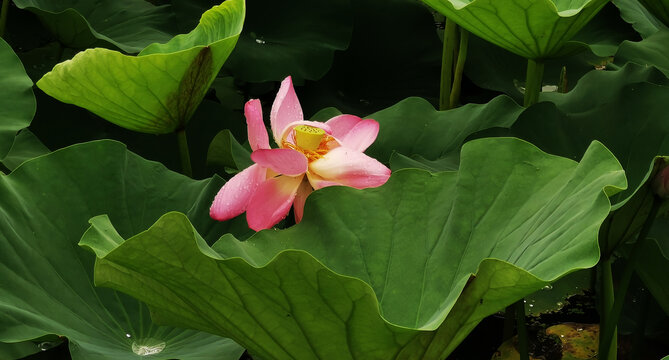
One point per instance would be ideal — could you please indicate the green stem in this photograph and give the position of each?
(533, 79)
(607, 339)
(183, 151)
(607, 299)
(3, 17)
(509, 320)
(459, 68)
(523, 348)
(447, 64)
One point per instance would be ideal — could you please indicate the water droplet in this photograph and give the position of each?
(46, 345)
(260, 41)
(579, 329)
(531, 305)
(128, 336)
(148, 347)
(548, 287)
(524, 300)
(561, 335)
(559, 304)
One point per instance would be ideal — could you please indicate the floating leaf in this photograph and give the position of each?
(384, 272)
(579, 341)
(46, 285)
(129, 25)
(158, 91)
(17, 103)
(533, 29)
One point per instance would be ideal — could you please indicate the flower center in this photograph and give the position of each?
(310, 141)
(308, 137)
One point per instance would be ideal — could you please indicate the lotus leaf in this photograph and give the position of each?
(651, 51)
(46, 281)
(641, 19)
(17, 103)
(436, 134)
(158, 91)
(434, 254)
(26, 146)
(567, 123)
(534, 29)
(659, 8)
(129, 25)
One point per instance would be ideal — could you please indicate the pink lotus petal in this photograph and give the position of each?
(291, 126)
(350, 168)
(300, 198)
(282, 161)
(257, 132)
(271, 201)
(318, 182)
(361, 135)
(342, 124)
(285, 109)
(235, 195)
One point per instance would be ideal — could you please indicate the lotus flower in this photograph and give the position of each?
(329, 153)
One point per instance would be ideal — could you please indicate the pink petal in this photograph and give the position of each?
(300, 198)
(271, 201)
(285, 110)
(361, 135)
(318, 182)
(291, 126)
(257, 132)
(235, 195)
(282, 161)
(350, 168)
(342, 124)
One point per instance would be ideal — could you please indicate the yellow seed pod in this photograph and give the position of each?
(308, 137)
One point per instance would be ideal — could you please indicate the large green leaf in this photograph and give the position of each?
(641, 19)
(414, 128)
(129, 25)
(659, 8)
(46, 284)
(652, 51)
(602, 35)
(623, 109)
(158, 91)
(17, 103)
(533, 29)
(379, 273)
(26, 146)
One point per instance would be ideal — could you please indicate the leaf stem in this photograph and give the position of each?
(3, 17)
(523, 348)
(533, 80)
(447, 65)
(183, 151)
(459, 68)
(607, 339)
(607, 299)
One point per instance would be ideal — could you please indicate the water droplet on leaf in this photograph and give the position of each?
(148, 347)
